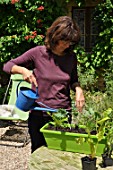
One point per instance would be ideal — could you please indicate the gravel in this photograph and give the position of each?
(11, 156)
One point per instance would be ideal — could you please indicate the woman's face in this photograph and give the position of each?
(62, 47)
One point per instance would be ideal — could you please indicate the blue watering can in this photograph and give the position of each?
(26, 98)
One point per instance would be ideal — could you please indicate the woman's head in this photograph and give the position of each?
(63, 29)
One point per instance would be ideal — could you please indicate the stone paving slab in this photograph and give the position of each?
(49, 159)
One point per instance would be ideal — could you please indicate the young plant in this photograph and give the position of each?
(94, 121)
(109, 137)
(59, 118)
(89, 122)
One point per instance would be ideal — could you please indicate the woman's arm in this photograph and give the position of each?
(75, 85)
(27, 74)
(21, 65)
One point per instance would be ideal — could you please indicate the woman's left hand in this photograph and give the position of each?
(80, 100)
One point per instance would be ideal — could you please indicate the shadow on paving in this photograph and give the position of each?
(15, 132)
(5, 123)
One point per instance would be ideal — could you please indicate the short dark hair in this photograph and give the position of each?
(63, 28)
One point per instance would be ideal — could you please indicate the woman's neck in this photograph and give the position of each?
(57, 53)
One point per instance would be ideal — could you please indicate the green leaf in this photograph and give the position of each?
(103, 120)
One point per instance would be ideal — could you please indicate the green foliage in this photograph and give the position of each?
(24, 24)
(91, 121)
(80, 2)
(4, 1)
(109, 79)
(102, 123)
(103, 51)
(59, 118)
(88, 118)
(99, 101)
(87, 79)
(109, 136)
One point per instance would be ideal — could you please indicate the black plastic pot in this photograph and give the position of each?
(88, 163)
(107, 161)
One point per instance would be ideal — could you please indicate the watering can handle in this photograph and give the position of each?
(17, 89)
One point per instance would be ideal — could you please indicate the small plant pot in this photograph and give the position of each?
(88, 164)
(107, 161)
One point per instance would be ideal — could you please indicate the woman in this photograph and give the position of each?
(54, 72)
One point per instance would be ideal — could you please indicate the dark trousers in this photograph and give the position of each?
(36, 120)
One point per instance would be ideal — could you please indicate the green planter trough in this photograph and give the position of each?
(66, 141)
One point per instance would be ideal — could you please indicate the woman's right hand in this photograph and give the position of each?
(27, 74)
(29, 77)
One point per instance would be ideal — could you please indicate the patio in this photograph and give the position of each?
(49, 159)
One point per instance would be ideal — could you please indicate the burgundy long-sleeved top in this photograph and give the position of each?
(55, 75)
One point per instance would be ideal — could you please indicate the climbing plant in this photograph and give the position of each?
(102, 52)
